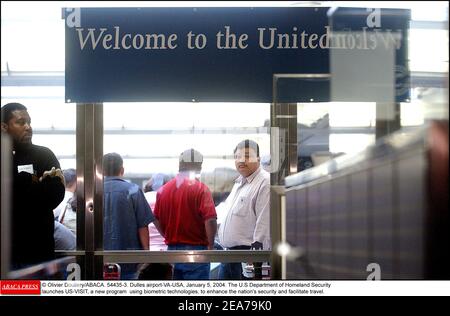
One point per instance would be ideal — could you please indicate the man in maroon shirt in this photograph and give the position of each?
(185, 209)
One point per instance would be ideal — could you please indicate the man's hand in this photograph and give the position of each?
(54, 173)
(255, 246)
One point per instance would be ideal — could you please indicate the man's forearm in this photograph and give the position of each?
(144, 238)
(211, 230)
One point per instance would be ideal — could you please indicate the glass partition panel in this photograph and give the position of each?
(150, 137)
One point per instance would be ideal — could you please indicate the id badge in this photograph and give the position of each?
(25, 168)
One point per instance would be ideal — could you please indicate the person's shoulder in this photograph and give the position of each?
(263, 180)
(42, 149)
(202, 185)
(169, 183)
(168, 186)
(119, 183)
(203, 188)
(264, 175)
(130, 185)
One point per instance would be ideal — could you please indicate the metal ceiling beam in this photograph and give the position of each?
(57, 79)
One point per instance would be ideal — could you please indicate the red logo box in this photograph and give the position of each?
(20, 287)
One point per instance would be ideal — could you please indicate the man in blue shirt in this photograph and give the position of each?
(126, 213)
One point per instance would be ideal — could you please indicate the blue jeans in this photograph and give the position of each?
(190, 271)
(231, 271)
(129, 276)
(128, 271)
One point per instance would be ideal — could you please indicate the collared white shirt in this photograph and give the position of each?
(247, 210)
(57, 211)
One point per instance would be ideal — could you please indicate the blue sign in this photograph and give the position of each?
(186, 54)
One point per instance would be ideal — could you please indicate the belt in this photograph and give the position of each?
(240, 248)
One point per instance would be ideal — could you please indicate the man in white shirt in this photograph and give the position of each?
(245, 220)
(150, 191)
(64, 213)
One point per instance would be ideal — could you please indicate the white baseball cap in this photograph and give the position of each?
(191, 155)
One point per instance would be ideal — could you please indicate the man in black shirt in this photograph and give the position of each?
(38, 187)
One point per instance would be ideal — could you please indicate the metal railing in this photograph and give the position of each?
(54, 269)
(171, 256)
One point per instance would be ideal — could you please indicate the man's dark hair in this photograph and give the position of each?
(148, 186)
(248, 144)
(70, 176)
(8, 108)
(112, 162)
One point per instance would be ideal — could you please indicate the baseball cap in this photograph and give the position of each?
(191, 155)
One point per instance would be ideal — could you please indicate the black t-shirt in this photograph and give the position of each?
(33, 203)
